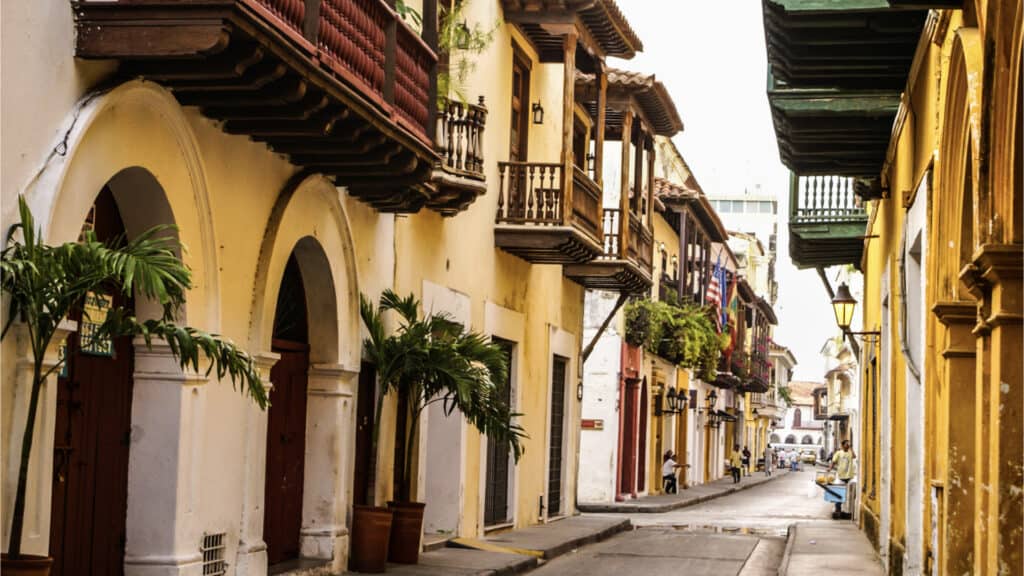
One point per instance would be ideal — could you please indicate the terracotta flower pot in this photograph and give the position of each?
(371, 533)
(26, 565)
(406, 532)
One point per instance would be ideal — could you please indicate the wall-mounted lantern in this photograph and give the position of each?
(538, 113)
(591, 163)
(675, 403)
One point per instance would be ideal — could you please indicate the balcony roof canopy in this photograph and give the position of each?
(648, 97)
(836, 71)
(677, 198)
(602, 26)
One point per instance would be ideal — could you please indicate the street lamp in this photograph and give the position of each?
(843, 305)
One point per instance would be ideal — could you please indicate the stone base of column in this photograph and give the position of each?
(185, 565)
(329, 544)
(252, 559)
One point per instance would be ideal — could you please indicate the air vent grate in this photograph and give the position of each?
(212, 550)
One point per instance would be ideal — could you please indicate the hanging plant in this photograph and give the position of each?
(458, 43)
(682, 334)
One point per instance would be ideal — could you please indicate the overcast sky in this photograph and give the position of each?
(711, 56)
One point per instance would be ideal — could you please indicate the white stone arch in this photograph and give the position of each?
(135, 139)
(308, 220)
(137, 124)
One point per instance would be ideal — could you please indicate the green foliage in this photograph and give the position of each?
(45, 284)
(683, 334)
(785, 395)
(457, 44)
(461, 42)
(435, 359)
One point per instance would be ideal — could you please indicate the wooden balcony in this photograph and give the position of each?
(459, 174)
(535, 223)
(340, 86)
(826, 222)
(621, 266)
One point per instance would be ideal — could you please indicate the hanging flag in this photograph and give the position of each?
(714, 295)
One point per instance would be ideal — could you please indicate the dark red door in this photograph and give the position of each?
(286, 421)
(286, 443)
(365, 461)
(627, 444)
(92, 434)
(641, 440)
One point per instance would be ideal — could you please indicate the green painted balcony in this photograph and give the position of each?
(827, 221)
(836, 71)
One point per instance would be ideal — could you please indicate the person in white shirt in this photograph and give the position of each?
(668, 473)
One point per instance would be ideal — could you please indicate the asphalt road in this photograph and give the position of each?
(740, 534)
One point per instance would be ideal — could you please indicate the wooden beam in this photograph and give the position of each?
(627, 128)
(568, 118)
(623, 296)
(602, 121)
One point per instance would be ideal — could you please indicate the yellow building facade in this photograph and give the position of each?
(941, 383)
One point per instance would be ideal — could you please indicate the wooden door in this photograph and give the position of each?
(497, 488)
(365, 414)
(286, 444)
(627, 444)
(555, 451)
(520, 109)
(641, 452)
(92, 436)
(286, 421)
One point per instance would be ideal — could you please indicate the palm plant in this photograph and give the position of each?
(435, 359)
(45, 284)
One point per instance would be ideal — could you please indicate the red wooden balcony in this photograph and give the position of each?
(621, 266)
(535, 223)
(459, 174)
(340, 86)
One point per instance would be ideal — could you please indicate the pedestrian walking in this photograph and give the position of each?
(769, 455)
(842, 461)
(736, 461)
(794, 460)
(746, 461)
(668, 473)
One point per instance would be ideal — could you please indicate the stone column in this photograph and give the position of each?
(39, 489)
(252, 549)
(329, 448)
(163, 466)
(998, 274)
(958, 352)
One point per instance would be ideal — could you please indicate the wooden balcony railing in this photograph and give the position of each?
(586, 202)
(611, 234)
(459, 140)
(530, 193)
(825, 199)
(641, 242)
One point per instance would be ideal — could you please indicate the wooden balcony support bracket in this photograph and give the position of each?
(322, 81)
(627, 128)
(568, 118)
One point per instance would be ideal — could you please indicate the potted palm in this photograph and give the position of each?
(45, 284)
(429, 360)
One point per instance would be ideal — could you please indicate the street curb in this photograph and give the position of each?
(661, 508)
(790, 541)
(570, 545)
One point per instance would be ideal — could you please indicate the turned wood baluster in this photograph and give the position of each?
(501, 192)
(460, 128)
(450, 133)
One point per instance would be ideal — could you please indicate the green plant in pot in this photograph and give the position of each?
(427, 361)
(45, 285)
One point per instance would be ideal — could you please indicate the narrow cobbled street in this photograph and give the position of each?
(742, 533)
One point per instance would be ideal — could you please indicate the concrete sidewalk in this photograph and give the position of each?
(836, 548)
(693, 495)
(514, 551)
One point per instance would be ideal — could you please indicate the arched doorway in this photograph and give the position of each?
(286, 422)
(92, 432)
